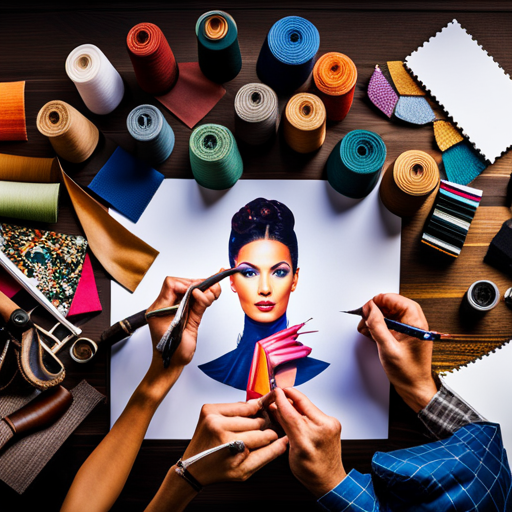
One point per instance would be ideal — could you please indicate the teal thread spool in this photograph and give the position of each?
(218, 50)
(355, 163)
(214, 157)
(29, 201)
(154, 136)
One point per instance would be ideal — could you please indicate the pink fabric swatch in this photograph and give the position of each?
(8, 285)
(380, 92)
(86, 299)
(193, 96)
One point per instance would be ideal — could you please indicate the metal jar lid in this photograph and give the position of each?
(483, 295)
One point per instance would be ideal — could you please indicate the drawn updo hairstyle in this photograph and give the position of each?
(262, 219)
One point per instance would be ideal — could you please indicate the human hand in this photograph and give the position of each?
(314, 438)
(222, 423)
(407, 361)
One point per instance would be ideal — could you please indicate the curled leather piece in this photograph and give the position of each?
(37, 364)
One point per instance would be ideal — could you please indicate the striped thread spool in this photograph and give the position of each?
(29, 201)
(154, 64)
(256, 111)
(304, 123)
(335, 77)
(214, 157)
(355, 163)
(71, 134)
(288, 54)
(408, 182)
(98, 82)
(153, 134)
(218, 50)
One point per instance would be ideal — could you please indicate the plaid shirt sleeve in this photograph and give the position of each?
(447, 412)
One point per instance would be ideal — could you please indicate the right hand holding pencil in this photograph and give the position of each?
(407, 361)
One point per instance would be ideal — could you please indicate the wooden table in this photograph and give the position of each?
(35, 40)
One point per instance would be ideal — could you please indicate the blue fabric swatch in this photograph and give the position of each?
(414, 109)
(126, 183)
(233, 368)
(462, 163)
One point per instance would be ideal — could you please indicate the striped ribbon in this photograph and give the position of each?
(12, 111)
(214, 157)
(304, 123)
(408, 182)
(256, 111)
(355, 163)
(152, 59)
(217, 46)
(71, 134)
(97, 81)
(335, 77)
(29, 201)
(288, 53)
(154, 136)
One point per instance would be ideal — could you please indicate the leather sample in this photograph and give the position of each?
(124, 256)
(29, 169)
(12, 111)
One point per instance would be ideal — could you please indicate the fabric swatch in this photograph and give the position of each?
(21, 462)
(450, 219)
(404, 83)
(381, 94)
(127, 184)
(29, 169)
(193, 96)
(446, 134)
(86, 299)
(12, 111)
(462, 163)
(414, 109)
(52, 261)
(124, 256)
(8, 285)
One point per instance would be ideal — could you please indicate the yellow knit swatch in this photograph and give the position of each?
(446, 134)
(404, 83)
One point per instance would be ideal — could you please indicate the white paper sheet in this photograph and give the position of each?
(472, 88)
(348, 251)
(486, 384)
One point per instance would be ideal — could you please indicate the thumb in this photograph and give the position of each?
(375, 323)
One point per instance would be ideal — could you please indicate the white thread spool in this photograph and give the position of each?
(98, 82)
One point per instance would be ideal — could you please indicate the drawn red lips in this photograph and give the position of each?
(265, 305)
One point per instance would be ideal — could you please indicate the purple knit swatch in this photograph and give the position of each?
(381, 93)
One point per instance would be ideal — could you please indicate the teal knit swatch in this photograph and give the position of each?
(214, 157)
(355, 163)
(462, 163)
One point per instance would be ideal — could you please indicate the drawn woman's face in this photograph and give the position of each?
(264, 289)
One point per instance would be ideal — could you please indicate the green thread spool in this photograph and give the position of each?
(214, 157)
(218, 50)
(29, 201)
(355, 163)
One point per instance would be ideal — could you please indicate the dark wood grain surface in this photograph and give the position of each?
(35, 39)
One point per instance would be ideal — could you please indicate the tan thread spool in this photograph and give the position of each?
(215, 28)
(304, 122)
(72, 135)
(408, 182)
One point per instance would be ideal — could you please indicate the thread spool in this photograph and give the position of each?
(355, 163)
(71, 134)
(408, 182)
(335, 77)
(214, 157)
(29, 201)
(288, 54)
(304, 123)
(217, 46)
(97, 81)
(482, 296)
(154, 136)
(256, 111)
(152, 59)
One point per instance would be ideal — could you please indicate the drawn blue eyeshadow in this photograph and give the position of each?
(249, 273)
(281, 272)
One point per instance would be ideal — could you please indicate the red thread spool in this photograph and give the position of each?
(335, 77)
(152, 59)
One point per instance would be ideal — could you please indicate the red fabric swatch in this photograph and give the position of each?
(86, 299)
(8, 285)
(193, 96)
